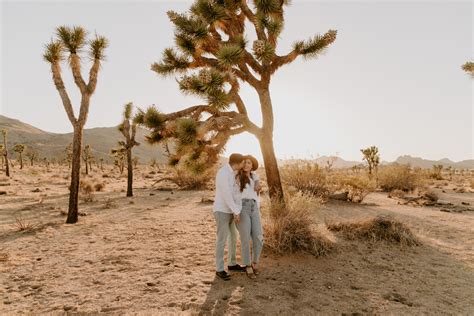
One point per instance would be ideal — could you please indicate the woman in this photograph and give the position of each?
(250, 227)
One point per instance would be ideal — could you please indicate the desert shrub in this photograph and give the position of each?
(292, 229)
(87, 190)
(428, 194)
(377, 229)
(399, 177)
(187, 179)
(397, 193)
(308, 178)
(99, 186)
(23, 226)
(357, 186)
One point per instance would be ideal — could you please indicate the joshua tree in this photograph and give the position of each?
(119, 155)
(372, 157)
(135, 162)
(68, 152)
(19, 148)
(437, 172)
(32, 155)
(72, 40)
(128, 128)
(1, 154)
(5, 152)
(101, 160)
(87, 156)
(214, 59)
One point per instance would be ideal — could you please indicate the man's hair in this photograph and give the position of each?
(235, 159)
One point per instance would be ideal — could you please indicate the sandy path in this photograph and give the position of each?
(154, 254)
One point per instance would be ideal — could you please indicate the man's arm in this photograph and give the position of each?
(225, 186)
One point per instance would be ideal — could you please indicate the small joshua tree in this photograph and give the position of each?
(119, 155)
(101, 161)
(72, 40)
(87, 156)
(214, 59)
(19, 148)
(128, 128)
(372, 157)
(68, 154)
(32, 155)
(5, 152)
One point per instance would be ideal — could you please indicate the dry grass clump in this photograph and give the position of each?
(87, 191)
(292, 229)
(377, 229)
(186, 179)
(397, 193)
(356, 186)
(99, 186)
(23, 226)
(399, 177)
(307, 177)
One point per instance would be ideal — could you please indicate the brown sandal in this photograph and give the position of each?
(250, 272)
(255, 270)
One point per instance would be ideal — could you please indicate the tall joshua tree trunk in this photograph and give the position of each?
(75, 175)
(266, 145)
(73, 40)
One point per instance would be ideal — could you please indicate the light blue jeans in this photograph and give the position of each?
(225, 231)
(250, 229)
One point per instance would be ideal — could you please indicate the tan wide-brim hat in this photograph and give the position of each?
(253, 160)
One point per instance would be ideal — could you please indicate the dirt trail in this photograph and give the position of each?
(154, 253)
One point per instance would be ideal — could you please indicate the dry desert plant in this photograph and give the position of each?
(99, 186)
(290, 228)
(186, 179)
(377, 229)
(87, 190)
(19, 149)
(308, 178)
(399, 177)
(357, 187)
(23, 226)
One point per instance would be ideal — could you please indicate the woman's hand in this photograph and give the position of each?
(237, 218)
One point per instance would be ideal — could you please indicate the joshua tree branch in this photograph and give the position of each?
(58, 82)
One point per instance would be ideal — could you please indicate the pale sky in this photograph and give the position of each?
(391, 79)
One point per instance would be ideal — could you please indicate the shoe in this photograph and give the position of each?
(236, 267)
(250, 272)
(223, 275)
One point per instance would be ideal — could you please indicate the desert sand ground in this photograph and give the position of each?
(154, 254)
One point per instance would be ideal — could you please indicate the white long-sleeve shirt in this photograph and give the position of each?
(228, 197)
(249, 190)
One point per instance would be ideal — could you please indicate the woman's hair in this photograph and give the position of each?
(243, 179)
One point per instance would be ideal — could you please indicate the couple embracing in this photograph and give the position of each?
(236, 207)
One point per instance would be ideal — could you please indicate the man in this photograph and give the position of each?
(227, 207)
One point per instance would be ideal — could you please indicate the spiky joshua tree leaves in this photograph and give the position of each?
(213, 58)
(72, 42)
(128, 128)
(469, 68)
(372, 157)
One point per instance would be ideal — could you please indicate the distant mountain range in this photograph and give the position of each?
(102, 139)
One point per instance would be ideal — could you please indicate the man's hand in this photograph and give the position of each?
(237, 218)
